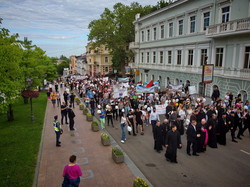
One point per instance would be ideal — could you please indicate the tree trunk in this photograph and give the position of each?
(10, 115)
(25, 100)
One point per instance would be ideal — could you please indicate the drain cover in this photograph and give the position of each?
(150, 165)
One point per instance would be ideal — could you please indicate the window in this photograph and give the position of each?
(148, 36)
(142, 58)
(106, 59)
(247, 58)
(203, 56)
(170, 34)
(154, 57)
(225, 14)
(179, 57)
(219, 57)
(154, 33)
(192, 24)
(153, 77)
(161, 57)
(142, 36)
(206, 20)
(169, 57)
(147, 57)
(106, 48)
(190, 57)
(107, 69)
(180, 27)
(162, 31)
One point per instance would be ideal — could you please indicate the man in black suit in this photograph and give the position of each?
(192, 138)
(238, 122)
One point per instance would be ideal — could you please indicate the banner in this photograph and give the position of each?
(105, 79)
(175, 87)
(123, 79)
(127, 69)
(78, 77)
(142, 89)
(207, 73)
(192, 90)
(120, 92)
(160, 109)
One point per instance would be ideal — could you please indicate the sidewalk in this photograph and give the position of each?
(94, 159)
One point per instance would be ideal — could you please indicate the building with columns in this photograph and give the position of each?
(173, 43)
(99, 60)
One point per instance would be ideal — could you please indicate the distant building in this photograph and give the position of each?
(72, 65)
(65, 72)
(99, 61)
(81, 65)
(173, 43)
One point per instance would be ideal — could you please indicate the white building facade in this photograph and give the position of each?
(81, 65)
(173, 43)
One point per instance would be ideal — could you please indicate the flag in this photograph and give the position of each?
(151, 83)
(142, 89)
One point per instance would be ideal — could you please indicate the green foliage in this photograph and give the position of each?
(19, 142)
(88, 115)
(161, 4)
(105, 136)
(116, 30)
(139, 182)
(20, 60)
(117, 151)
(62, 65)
(94, 123)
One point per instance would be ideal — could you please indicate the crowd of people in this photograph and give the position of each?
(204, 124)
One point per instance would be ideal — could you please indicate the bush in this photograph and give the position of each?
(139, 182)
(89, 115)
(85, 110)
(105, 136)
(117, 151)
(94, 123)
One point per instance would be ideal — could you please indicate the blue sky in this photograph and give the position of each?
(57, 26)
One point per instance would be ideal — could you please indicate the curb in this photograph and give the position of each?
(35, 180)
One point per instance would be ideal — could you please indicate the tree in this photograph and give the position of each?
(11, 77)
(116, 30)
(62, 65)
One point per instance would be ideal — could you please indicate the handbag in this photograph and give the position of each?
(66, 179)
(129, 129)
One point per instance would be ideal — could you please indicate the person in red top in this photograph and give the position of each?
(73, 171)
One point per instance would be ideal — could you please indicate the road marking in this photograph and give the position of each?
(245, 152)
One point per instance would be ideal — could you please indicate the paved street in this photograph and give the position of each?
(94, 159)
(226, 166)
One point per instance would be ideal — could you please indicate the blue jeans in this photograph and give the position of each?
(123, 127)
(74, 182)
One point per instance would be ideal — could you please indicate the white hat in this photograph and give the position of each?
(116, 107)
(123, 110)
(99, 111)
(177, 100)
(145, 106)
(99, 106)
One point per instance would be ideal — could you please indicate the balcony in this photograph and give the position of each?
(218, 71)
(234, 27)
(133, 45)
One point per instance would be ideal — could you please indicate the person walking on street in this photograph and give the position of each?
(53, 98)
(71, 173)
(72, 99)
(192, 138)
(71, 115)
(58, 98)
(58, 130)
(64, 112)
(101, 114)
(65, 96)
(153, 119)
(172, 142)
(123, 127)
(92, 106)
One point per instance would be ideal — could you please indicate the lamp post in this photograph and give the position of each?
(29, 81)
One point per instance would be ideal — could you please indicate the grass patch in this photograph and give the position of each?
(19, 143)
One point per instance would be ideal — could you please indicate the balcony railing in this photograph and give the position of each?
(133, 45)
(218, 71)
(229, 28)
